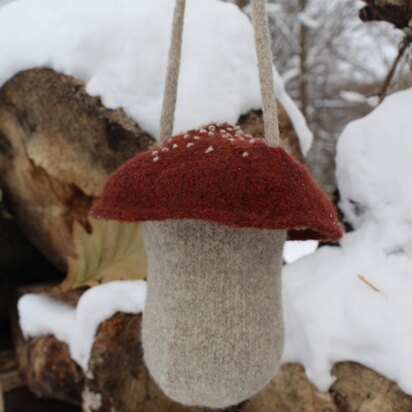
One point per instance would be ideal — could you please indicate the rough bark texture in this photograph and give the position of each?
(58, 145)
(252, 123)
(44, 362)
(9, 377)
(397, 12)
(119, 381)
(1, 399)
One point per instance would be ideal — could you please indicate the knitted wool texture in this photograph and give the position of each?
(220, 174)
(212, 325)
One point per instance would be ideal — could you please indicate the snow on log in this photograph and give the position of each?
(58, 145)
(353, 302)
(122, 59)
(116, 378)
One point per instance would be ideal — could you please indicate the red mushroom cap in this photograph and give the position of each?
(218, 173)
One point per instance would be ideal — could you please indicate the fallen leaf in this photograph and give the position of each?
(112, 251)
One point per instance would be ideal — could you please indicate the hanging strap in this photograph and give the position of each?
(264, 57)
(172, 76)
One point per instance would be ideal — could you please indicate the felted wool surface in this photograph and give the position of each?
(220, 174)
(212, 325)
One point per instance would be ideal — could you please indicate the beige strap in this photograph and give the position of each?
(172, 75)
(264, 57)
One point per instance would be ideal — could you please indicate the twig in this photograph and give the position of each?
(1, 399)
(366, 282)
(403, 46)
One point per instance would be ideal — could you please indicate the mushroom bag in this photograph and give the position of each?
(213, 326)
(217, 205)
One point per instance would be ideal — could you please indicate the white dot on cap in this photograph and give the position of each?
(186, 136)
(155, 153)
(209, 149)
(245, 154)
(156, 158)
(165, 149)
(196, 137)
(175, 146)
(190, 145)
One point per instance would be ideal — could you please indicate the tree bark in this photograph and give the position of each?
(1, 399)
(58, 145)
(397, 12)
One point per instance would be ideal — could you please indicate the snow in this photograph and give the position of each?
(308, 21)
(295, 250)
(353, 302)
(4, 2)
(119, 49)
(356, 98)
(374, 168)
(41, 315)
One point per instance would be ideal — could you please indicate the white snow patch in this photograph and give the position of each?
(308, 21)
(41, 315)
(294, 250)
(356, 97)
(119, 49)
(374, 168)
(354, 302)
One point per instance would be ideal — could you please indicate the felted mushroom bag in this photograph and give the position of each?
(216, 206)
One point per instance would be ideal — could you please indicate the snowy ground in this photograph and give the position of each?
(355, 302)
(119, 49)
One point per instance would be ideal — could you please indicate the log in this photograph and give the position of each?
(397, 12)
(10, 378)
(44, 362)
(58, 145)
(118, 379)
(1, 399)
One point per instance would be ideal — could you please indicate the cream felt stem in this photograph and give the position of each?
(172, 74)
(264, 57)
(213, 324)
